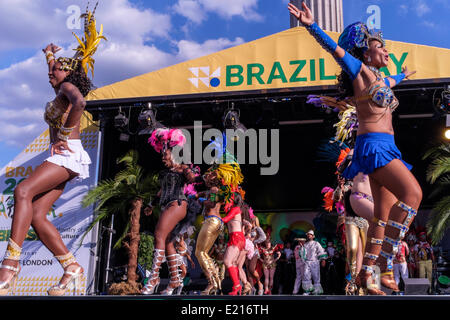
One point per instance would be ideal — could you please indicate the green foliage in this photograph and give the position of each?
(114, 196)
(438, 173)
(146, 247)
(439, 220)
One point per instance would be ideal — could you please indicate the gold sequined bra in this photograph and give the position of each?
(54, 112)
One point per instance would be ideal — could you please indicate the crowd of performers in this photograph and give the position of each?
(180, 204)
(379, 194)
(249, 254)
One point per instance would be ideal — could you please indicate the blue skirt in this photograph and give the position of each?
(372, 150)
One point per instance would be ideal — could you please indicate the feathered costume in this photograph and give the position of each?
(87, 45)
(174, 185)
(228, 177)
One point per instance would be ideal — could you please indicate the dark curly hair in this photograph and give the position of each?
(344, 85)
(80, 80)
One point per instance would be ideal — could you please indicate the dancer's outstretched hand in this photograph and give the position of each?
(51, 47)
(305, 16)
(407, 73)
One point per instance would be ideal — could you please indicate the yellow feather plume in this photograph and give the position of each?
(230, 174)
(89, 43)
(342, 132)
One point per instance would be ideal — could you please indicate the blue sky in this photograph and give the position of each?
(144, 36)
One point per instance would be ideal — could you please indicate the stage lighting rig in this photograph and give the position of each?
(120, 120)
(230, 119)
(445, 106)
(121, 123)
(147, 120)
(442, 105)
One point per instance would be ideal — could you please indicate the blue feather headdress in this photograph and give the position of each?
(357, 35)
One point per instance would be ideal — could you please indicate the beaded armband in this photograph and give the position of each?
(49, 56)
(64, 133)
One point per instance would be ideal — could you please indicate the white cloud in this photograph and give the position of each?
(403, 9)
(421, 8)
(429, 24)
(191, 9)
(15, 135)
(35, 23)
(228, 9)
(131, 50)
(195, 10)
(190, 50)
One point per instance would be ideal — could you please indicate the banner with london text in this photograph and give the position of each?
(40, 270)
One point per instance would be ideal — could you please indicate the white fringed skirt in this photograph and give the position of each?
(77, 161)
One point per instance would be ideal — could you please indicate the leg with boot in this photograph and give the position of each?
(168, 219)
(231, 263)
(206, 237)
(33, 199)
(401, 195)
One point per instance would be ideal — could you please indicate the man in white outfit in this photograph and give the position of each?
(314, 254)
(299, 254)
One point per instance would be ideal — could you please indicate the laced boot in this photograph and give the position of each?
(153, 281)
(387, 277)
(174, 272)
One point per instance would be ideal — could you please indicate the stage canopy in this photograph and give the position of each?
(291, 58)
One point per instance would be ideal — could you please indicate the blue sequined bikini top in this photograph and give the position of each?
(381, 95)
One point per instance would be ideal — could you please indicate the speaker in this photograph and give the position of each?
(416, 286)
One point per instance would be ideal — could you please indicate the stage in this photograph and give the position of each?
(229, 307)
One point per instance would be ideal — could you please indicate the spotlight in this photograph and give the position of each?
(230, 120)
(120, 120)
(445, 106)
(121, 124)
(147, 120)
(447, 134)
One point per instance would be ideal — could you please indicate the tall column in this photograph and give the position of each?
(327, 13)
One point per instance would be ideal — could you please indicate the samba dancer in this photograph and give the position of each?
(361, 54)
(176, 215)
(35, 196)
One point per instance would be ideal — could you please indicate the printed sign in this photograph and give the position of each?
(40, 270)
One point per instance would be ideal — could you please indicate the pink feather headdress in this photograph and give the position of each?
(165, 137)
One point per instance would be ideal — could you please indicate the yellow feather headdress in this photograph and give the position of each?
(87, 45)
(230, 174)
